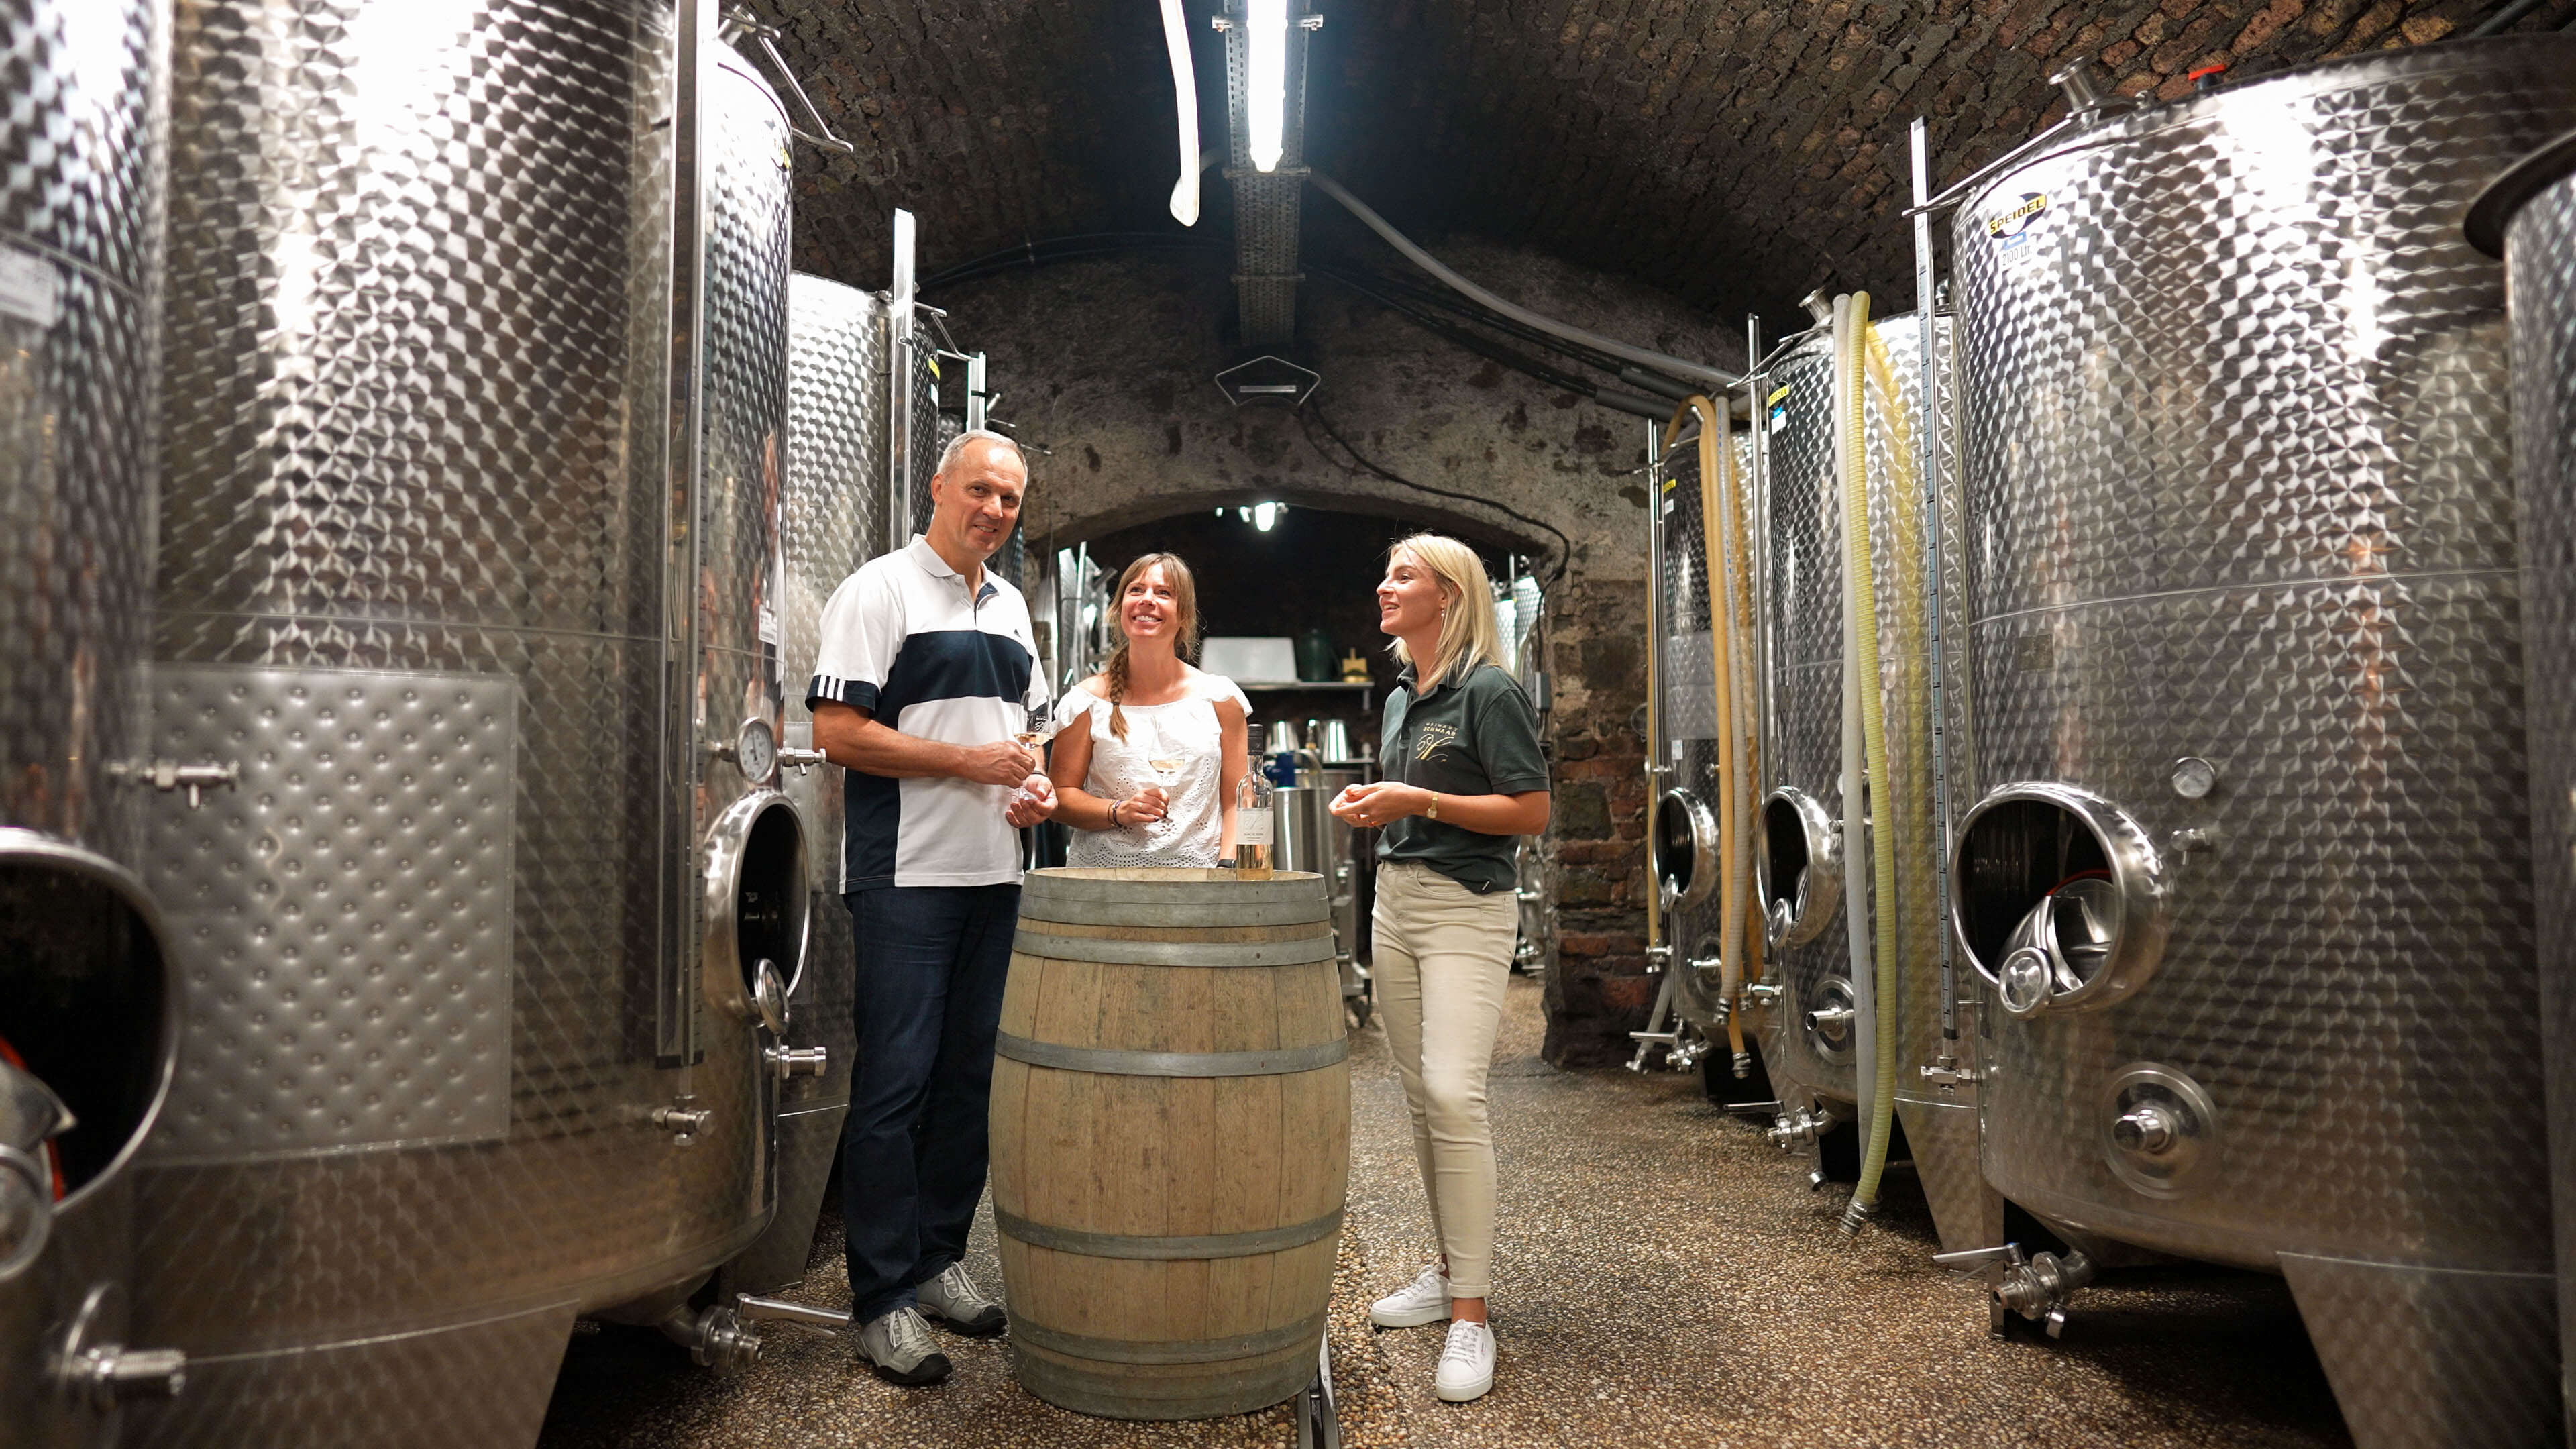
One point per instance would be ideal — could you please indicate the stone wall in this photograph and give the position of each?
(1108, 366)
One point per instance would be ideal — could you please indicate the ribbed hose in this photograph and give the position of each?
(1908, 795)
(1744, 737)
(1716, 547)
(1872, 922)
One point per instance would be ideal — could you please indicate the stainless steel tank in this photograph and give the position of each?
(2249, 879)
(1684, 853)
(88, 994)
(2529, 217)
(1936, 1103)
(835, 521)
(476, 400)
(1803, 863)
(1798, 853)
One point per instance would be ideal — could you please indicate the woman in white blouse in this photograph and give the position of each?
(1148, 705)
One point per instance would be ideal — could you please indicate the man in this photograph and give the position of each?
(925, 670)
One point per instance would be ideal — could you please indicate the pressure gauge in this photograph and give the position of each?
(2194, 777)
(756, 751)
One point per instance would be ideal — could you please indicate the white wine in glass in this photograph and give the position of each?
(1032, 732)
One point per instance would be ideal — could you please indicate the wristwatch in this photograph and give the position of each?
(1434, 812)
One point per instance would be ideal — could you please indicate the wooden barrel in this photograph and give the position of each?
(1171, 1138)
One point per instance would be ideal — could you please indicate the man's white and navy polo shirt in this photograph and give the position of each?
(902, 640)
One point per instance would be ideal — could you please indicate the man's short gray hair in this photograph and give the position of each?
(957, 445)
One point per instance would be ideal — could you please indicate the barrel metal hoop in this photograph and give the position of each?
(1037, 905)
(1120, 951)
(1197, 902)
(1107, 1062)
(1133, 1245)
(1181, 1350)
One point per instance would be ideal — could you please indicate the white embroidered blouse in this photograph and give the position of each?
(1187, 728)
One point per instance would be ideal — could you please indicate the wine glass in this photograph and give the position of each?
(1034, 730)
(1166, 761)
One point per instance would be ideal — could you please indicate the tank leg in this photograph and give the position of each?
(2428, 1358)
(1965, 1210)
(484, 1384)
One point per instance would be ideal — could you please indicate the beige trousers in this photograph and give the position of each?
(1443, 957)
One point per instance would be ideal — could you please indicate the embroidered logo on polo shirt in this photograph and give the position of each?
(1432, 737)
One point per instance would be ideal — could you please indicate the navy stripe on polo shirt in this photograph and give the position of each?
(902, 640)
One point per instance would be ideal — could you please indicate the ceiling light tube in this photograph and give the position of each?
(1185, 101)
(1265, 96)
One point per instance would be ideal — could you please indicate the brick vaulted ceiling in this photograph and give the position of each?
(1737, 152)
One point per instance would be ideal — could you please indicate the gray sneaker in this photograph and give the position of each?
(898, 1347)
(953, 1299)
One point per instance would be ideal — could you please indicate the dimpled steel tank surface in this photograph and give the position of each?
(835, 519)
(2249, 881)
(1810, 1057)
(443, 567)
(86, 997)
(2530, 216)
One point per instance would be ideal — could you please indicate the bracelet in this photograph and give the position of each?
(1113, 814)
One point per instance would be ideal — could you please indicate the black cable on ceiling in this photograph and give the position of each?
(1308, 412)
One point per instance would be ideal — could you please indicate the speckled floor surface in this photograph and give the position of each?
(1664, 1278)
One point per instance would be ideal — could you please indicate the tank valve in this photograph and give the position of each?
(1657, 958)
(2150, 1128)
(1793, 1130)
(168, 775)
(716, 1337)
(793, 1062)
(800, 760)
(102, 1376)
(1764, 993)
(1743, 1065)
(683, 1121)
(1830, 1022)
(2036, 1286)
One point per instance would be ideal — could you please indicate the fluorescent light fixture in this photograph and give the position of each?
(1265, 91)
(1259, 515)
(1185, 101)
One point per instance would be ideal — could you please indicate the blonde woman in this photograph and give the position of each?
(1149, 704)
(1464, 777)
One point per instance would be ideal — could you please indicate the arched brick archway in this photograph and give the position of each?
(1108, 367)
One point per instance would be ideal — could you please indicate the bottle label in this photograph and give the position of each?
(1252, 827)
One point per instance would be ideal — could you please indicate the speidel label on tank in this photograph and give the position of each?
(2014, 228)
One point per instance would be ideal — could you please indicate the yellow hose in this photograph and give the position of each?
(1737, 696)
(1721, 632)
(1909, 798)
(1860, 600)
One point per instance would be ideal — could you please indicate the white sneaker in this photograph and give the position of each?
(1466, 1364)
(1424, 1300)
(897, 1345)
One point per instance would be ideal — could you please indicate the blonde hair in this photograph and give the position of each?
(1468, 633)
(1185, 640)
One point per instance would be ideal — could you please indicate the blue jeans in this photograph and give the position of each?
(931, 962)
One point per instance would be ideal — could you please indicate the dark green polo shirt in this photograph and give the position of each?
(1471, 736)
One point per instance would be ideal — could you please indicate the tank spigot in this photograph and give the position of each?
(793, 1062)
(800, 760)
(169, 775)
(715, 1337)
(683, 1121)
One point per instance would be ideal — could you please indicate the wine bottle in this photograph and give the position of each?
(1252, 820)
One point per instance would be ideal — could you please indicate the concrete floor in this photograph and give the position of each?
(1664, 1278)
